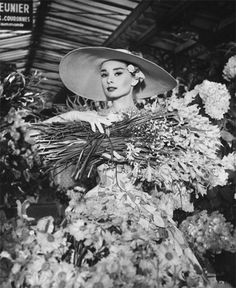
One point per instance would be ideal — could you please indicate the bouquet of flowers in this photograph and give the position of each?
(170, 144)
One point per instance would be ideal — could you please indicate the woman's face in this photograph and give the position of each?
(117, 81)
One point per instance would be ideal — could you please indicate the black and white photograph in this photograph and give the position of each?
(117, 144)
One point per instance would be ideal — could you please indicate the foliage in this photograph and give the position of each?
(16, 92)
(20, 165)
(19, 162)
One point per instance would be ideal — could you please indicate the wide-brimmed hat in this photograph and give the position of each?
(80, 72)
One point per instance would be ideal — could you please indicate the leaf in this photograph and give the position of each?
(158, 220)
(227, 136)
(183, 166)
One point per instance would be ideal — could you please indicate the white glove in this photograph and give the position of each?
(92, 117)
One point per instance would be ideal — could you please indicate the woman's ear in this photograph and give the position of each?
(134, 82)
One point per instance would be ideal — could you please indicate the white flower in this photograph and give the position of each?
(218, 177)
(174, 103)
(50, 242)
(63, 273)
(136, 72)
(132, 151)
(189, 96)
(140, 76)
(131, 68)
(215, 97)
(81, 230)
(229, 71)
(42, 279)
(229, 161)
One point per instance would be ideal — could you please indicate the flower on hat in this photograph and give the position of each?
(135, 71)
(131, 68)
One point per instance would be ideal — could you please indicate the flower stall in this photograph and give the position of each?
(186, 159)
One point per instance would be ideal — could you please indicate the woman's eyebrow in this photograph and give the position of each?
(118, 68)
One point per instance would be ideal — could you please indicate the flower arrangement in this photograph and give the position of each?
(169, 144)
(209, 233)
(91, 250)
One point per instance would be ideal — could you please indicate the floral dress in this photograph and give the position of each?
(127, 239)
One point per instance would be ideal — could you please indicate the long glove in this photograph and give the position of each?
(92, 117)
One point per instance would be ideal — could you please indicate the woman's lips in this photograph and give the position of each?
(111, 89)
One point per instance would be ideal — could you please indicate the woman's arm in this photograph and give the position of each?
(92, 117)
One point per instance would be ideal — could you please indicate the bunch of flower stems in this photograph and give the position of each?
(74, 143)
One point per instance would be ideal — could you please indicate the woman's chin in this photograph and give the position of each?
(112, 97)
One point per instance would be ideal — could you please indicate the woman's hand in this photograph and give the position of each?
(92, 117)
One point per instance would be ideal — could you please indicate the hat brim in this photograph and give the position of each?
(80, 72)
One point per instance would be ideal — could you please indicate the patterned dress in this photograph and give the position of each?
(139, 245)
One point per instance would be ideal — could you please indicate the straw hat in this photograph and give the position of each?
(80, 72)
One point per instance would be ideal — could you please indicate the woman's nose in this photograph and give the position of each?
(109, 79)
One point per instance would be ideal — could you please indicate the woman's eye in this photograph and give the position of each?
(118, 73)
(103, 75)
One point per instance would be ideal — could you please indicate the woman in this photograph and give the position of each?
(84, 72)
(158, 254)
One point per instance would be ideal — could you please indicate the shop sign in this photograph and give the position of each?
(16, 15)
